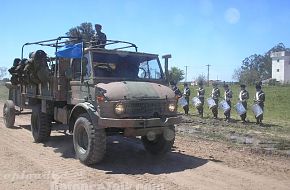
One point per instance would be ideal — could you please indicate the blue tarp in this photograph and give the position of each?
(70, 51)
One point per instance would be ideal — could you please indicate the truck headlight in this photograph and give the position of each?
(171, 107)
(119, 109)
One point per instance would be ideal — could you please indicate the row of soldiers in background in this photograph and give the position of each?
(228, 95)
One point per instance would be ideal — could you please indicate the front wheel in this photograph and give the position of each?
(40, 125)
(9, 113)
(159, 144)
(89, 141)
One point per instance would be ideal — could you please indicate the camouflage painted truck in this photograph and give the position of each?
(96, 92)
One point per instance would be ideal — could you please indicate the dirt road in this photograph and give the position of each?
(193, 164)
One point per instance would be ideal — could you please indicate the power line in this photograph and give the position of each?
(208, 65)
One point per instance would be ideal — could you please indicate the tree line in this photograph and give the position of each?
(256, 67)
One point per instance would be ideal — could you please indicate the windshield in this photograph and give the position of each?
(126, 66)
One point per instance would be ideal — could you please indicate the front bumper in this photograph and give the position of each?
(138, 123)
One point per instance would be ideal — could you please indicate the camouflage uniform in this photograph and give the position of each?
(200, 95)
(99, 38)
(260, 99)
(243, 97)
(186, 94)
(14, 72)
(176, 91)
(215, 94)
(228, 96)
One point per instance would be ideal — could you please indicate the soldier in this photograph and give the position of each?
(100, 38)
(175, 89)
(200, 95)
(186, 94)
(228, 96)
(14, 72)
(243, 97)
(259, 99)
(215, 94)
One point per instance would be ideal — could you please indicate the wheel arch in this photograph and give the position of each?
(80, 109)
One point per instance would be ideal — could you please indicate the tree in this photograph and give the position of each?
(176, 74)
(84, 30)
(201, 79)
(247, 76)
(236, 75)
(257, 67)
(278, 47)
(3, 72)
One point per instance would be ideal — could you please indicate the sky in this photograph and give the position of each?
(194, 32)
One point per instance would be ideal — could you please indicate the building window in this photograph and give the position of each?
(277, 70)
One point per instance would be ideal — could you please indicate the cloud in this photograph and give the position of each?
(232, 15)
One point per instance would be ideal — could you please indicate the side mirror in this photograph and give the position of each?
(166, 57)
(68, 74)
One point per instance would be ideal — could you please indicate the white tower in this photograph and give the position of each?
(281, 66)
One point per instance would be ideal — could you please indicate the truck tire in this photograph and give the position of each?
(162, 143)
(89, 141)
(9, 113)
(40, 125)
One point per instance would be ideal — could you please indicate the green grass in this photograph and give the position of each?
(277, 104)
(3, 92)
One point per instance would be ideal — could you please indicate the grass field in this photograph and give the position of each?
(277, 104)
(275, 133)
(3, 92)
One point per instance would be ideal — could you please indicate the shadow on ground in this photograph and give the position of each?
(127, 156)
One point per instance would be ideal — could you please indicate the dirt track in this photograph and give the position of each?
(194, 164)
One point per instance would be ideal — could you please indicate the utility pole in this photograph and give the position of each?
(208, 65)
(186, 73)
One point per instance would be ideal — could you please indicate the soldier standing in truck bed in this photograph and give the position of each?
(100, 38)
(200, 95)
(243, 97)
(215, 94)
(186, 94)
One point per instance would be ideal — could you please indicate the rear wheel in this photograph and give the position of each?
(159, 144)
(89, 141)
(9, 113)
(40, 125)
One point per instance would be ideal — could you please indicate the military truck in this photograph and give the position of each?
(96, 92)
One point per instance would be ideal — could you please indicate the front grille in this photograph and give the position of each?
(148, 108)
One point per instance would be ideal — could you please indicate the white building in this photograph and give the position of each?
(281, 66)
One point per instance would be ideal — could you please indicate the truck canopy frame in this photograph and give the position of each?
(66, 40)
